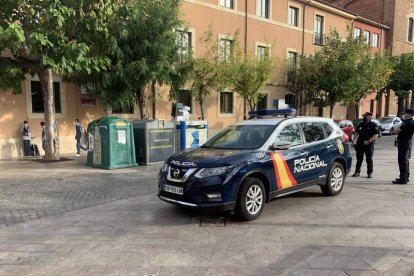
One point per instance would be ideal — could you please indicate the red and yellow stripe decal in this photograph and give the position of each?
(284, 178)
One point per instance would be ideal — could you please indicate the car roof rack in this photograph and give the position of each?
(265, 113)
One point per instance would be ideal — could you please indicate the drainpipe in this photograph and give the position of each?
(245, 51)
(303, 26)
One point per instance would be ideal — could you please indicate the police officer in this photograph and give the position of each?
(366, 133)
(404, 142)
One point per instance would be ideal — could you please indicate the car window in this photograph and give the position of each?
(327, 128)
(313, 132)
(343, 125)
(290, 133)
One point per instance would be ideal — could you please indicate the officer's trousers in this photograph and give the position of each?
(404, 155)
(369, 152)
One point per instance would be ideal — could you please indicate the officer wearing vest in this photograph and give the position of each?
(366, 134)
(404, 142)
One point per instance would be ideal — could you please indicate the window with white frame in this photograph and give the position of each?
(37, 97)
(292, 60)
(319, 27)
(225, 49)
(357, 33)
(263, 8)
(227, 3)
(226, 102)
(367, 37)
(184, 43)
(262, 52)
(293, 16)
(411, 29)
(375, 40)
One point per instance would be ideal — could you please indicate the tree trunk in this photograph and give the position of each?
(52, 139)
(154, 97)
(331, 109)
(201, 103)
(357, 110)
(400, 105)
(141, 102)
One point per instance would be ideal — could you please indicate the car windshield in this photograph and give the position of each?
(385, 120)
(243, 137)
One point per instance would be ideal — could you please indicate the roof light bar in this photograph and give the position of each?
(272, 113)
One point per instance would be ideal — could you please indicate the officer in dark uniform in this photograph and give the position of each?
(366, 133)
(404, 141)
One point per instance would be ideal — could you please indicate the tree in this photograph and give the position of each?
(143, 54)
(402, 79)
(247, 74)
(45, 36)
(373, 75)
(206, 74)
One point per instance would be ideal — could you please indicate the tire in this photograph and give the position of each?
(335, 180)
(249, 206)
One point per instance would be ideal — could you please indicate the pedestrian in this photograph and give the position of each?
(366, 133)
(44, 143)
(404, 144)
(26, 138)
(78, 137)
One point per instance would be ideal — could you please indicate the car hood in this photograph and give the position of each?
(387, 126)
(207, 158)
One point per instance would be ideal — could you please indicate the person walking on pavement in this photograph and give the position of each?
(78, 137)
(404, 143)
(44, 144)
(366, 133)
(26, 138)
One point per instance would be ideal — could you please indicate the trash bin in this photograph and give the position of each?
(190, 134)
(90, 135)
(154, 140)
(113, 143)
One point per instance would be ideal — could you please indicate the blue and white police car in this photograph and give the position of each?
(247, 164)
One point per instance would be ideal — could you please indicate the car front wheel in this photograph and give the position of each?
(335, 181)
(251, 199)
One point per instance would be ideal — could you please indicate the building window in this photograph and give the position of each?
(37, 97)
(293, 16)
(227, 3)
(262, 52)
(357, 33)
(184, 43)
(262, 103)
(292, 61)
(225, 49)
(367, 37)
(184, 97)
(123, 110)
(319, 26)
(263, 7)
(375, 40)
(410, 29)
(371, 106)
(226, 102)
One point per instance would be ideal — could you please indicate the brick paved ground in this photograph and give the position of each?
(367, 230)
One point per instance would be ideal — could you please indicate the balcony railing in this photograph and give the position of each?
(319, 39)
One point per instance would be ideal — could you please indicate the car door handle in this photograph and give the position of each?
(330, 146)
(304, 153)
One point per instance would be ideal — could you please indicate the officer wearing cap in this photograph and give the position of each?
(366, 133)
(404, 141)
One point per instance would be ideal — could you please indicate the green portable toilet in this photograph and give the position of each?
(113, 144)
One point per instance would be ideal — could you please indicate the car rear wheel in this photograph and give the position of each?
(251, 199)
(335, 181)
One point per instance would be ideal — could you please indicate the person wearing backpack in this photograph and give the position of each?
(78, 137)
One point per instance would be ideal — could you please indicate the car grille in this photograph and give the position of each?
(179, 174)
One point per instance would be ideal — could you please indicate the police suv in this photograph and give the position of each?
(251, 162)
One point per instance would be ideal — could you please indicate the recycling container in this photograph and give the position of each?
(154, 140)
(111, 143)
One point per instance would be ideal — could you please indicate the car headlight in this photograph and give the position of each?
(213, 171)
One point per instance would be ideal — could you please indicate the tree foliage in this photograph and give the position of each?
(41, 36)
(402, 80)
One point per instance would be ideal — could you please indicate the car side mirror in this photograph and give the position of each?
(281, 145)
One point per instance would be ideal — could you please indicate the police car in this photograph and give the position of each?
(251, 162)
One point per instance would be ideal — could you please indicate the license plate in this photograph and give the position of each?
(173, 189)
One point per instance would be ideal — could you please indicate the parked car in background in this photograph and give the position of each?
(348, 127)
(388, 124)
